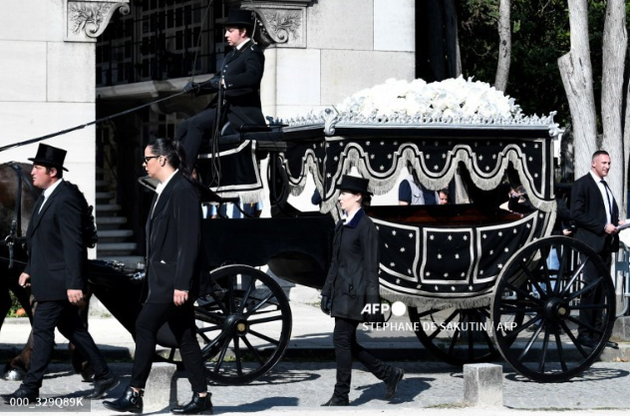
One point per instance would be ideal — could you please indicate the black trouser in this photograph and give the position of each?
(592, 317)
(347, 348)
(181, 321)
(192, 132)
(65, 316)
(196, 130)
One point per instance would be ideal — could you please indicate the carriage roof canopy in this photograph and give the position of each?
(455, 121)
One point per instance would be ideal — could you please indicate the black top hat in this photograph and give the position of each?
(354, 184)
(49, 156)
(239, 18)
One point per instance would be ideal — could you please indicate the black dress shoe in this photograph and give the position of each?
(392, 384)
(130, 401)
(586, 341)
(21, 393)
(197, 405)
(337, 401)
(103, 385)
(613, 345)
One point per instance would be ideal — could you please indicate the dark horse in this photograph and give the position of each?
(17, 200)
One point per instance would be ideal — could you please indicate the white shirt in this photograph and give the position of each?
(160, 188)
(607, 196)
(49, 191)
(240, 45)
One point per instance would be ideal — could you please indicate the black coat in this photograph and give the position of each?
(352, 280)
(242, 70)
(173, 242)
(589, 215)
(57, 255)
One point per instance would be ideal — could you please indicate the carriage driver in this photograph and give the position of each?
(238, 82)
(56, 272)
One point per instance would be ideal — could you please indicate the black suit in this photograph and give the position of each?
(242, 71)
(352, 282)
(588, 212)
(57, 262)
(173, 246)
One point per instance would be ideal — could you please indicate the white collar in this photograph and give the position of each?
(596, 177)
(162, 185)
(52, 187)
(242, 44)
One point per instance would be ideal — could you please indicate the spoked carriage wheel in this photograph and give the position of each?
(559, 300)
(456, 336)
(245, 323)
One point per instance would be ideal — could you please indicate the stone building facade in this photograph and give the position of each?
(47, 69)
(80, 61)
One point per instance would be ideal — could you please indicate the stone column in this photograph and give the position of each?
(281, 27)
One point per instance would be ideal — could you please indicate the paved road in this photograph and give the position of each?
(302, 385)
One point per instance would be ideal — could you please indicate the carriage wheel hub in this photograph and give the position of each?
(556, 309)
(236, 325)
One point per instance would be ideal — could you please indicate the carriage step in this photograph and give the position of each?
(108, 207)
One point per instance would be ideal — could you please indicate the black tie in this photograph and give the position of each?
(608, 194)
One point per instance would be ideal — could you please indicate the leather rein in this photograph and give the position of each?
(15, 233)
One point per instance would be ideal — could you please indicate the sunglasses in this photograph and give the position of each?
(147, 158)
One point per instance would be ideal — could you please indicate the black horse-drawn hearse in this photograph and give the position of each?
(477, 279)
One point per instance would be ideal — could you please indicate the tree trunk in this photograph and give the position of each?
(626, 165)
(451, 38)
(505, 46)
(577, 77)
(458, 59)
(436, 52)
(615, 42)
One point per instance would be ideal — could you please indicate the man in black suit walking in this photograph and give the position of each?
(172, 279)
(56, 271)
(596, 216)
(238, 84)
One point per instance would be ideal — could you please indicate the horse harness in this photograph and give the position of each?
(15, 234)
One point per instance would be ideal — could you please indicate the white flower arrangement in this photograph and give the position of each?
(400, 103)
(454, 98)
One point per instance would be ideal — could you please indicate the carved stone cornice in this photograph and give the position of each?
(87, 19)
(249, 4)
(282, 24)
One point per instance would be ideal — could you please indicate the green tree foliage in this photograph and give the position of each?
(540, 35)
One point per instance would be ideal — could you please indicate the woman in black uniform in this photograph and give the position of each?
(352, 282)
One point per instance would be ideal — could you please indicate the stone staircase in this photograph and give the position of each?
(113, 238)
